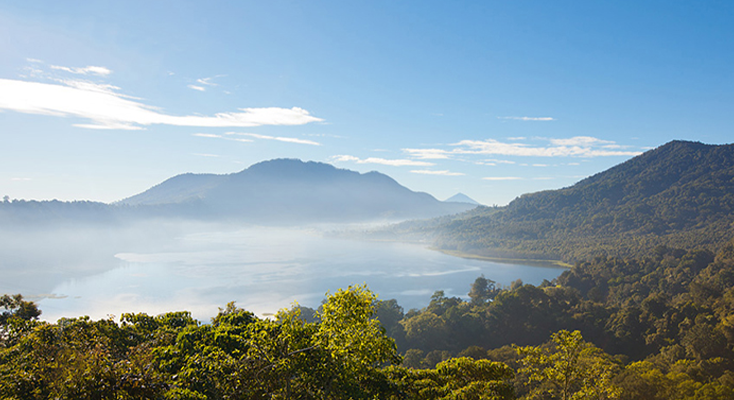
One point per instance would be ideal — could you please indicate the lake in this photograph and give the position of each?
(266, 269)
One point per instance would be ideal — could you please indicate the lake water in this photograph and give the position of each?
(266, 269)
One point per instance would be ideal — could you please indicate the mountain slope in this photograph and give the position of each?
(680, 195)
(288, 190)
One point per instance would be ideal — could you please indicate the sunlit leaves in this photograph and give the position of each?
(570, 369)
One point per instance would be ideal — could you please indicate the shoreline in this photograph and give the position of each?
(523, 261)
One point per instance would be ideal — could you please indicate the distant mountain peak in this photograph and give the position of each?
(292, 190)
(461, 198)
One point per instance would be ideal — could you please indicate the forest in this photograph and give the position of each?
(653, 327)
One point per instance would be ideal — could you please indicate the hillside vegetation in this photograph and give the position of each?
(679, 195)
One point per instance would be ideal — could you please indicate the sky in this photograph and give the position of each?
(102, 100)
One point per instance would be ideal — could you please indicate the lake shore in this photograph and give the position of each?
(521, 261)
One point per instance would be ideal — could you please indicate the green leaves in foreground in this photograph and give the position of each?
(569, 368)
(238, 356)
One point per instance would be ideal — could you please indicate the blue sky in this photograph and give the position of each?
(101, 100)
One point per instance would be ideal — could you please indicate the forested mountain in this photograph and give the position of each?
(289, 190)
(282, 191)
(680, 195)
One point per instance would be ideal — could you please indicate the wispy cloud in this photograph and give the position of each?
(428, 172)
(206, 155)
(91, 69)
(495, 161)
(581, 141)
(209, 135)
(20, 179)
(381, 161)
(502, 178)
(578, 146)
(581, 146)
(107, 109)
(529, 118)
(428, 154)
(208, 81)
(277, 138)
(202, 82)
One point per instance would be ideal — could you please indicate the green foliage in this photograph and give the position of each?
(238, 355)
(569, 369)
(673, 308)
(483, 290)
(17, 318)
(454, 379)
(348, 332)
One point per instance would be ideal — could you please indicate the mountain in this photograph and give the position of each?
(289, 190)
(461, 198)
(678, 195)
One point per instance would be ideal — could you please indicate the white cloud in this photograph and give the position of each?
(502, 178)
(581, 141)
(277, 138)
(209, 135)
(529, 118)
(428, 154)
(381, 161)
(33, 60)
(208, 81)
(574, 147)
(516, 138)
(344, 158)
(444, 173)
(91, 69)
(110, 110)
(199, 88)
(20, 179)
(495, 161)
(540, 165)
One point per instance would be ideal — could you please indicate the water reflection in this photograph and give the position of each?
(265, 269)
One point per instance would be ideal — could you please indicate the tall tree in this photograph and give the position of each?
(569, 368)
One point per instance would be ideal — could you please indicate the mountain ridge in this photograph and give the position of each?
(680, 194)
(291, 190)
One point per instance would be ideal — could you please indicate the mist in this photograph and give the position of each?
(174, 264)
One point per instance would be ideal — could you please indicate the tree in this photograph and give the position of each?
(18, 317)
(350, 334)
(15, 306)
(569, 368)
(482, 290)
(454, 379)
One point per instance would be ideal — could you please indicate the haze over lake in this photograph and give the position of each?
(263, 270)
